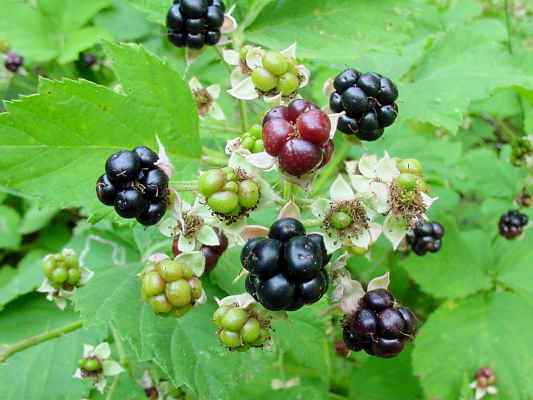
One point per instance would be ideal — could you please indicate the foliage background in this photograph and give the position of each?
(465, 73)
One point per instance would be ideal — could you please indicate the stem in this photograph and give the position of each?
(185, 186)
(24, 344)
(243, 111)
(341, 151)
(287, 190)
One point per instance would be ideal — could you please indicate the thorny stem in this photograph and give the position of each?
(24, 344)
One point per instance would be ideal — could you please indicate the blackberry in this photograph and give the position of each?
(379, 326)
(195, 23)
(286, 269)
(368, 101)
(426, 236)
(512, 224)
(213, 253)
(13, 62)
(134, 185)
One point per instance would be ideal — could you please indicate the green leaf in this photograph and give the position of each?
(485, 330)
(461, 264)
(26, 278)
(513, 267)
(10, 237)
(123, 21)
(227, 270)
(374, 379)
(36, 218)
(156, 9)
(53, 146)
(51, 29)
(429, 96)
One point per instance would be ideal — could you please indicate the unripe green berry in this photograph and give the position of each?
(235, 212)
(263, 79)
(196, 287)
(248, 143)
(251, 331)
(74, 276)
(263, 337)
(231, 187)
(288, 84)
(219, 314)
(258, 146)
(152, 284)
(187, 272)
(49, 265)
(160, 304)
(256, 131)
(211, 182)
(410, 166)
(231, 176)
(275, 63)
(92, 364)
(170, 270)
(230, 339)
(179, 293)
(234, 319)
(248, 193)
(407, 181)
(71, 261)
(341, 220)
(60, 275)
(81, 363)
(357, 251)
(223, 202)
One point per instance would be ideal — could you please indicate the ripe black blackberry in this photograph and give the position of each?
(380, 326)
(286, 269)
(134, 185)
(368, 100)
(426, 237)
(195, 23)
(512, 224)
(13, 61)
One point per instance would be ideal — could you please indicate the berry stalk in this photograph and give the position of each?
(24, 344)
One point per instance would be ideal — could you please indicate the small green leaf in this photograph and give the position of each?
(9, 228)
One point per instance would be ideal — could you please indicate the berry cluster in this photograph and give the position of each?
(512, 224)
(13, 61)
(230, 193)
(170, 286)
(368, 100)
(287, 269)
(195, 23)
(426, 236)
(62, 270)
(277, 75)
(379, 326)
(210, 253)
(134, 185)
(240, 328)
(298, 135)
(253, 140)
(90, 367)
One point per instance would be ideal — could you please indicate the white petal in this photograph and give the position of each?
(237, 161)
(102, 351)
(340, 190)
(360, 183)
(328, 88)
(290, 210)
(304, 73)
(253, 231)
(77, 374)
(334, 120)
(214, 91)
(381, 196)
(290, 51)
(492, 390)
(381, 282)
(202, 299)
(46, 287)
(240, 300)
(164, 161)
(340, 263)
(216, 112)
(332, 243)
(229, 25)
(273, 101)
(232, 145)
(480, 393)
(111, 368)
(362, 240)
(86, 275)
(386, 169)
(61, 303)
(195, 84)
(231, 57)
(352, 293)
(194, 260)
(367, 165)
(146, 381)
(88, 351)
(394, 229)
(351, 167)
(237, 77)
(268, 194)
(245, 90)
(191, 55)
(208, 236)
(186, 244)
(101, 384)
(254, 57)
(157, 258)
(261, 160)
(375, 231)
(428, 200)
(320, 207)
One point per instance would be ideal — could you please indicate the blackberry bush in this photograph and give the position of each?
(368, 101)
